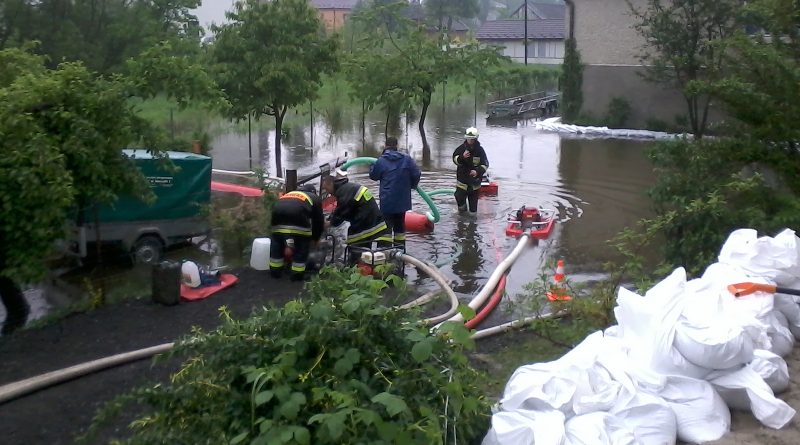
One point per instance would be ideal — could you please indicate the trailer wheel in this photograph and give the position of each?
(147, 250)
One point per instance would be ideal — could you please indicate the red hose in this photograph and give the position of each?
(490, 305)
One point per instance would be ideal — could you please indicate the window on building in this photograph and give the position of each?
(541, 49)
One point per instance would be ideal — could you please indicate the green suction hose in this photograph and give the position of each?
(433, 215)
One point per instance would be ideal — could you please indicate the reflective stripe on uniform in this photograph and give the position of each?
(363, 192)
(297, 195)
(364, 234)
(291, 230)
(466, 187)
(399, 236)
(276, 264)
(298, 267)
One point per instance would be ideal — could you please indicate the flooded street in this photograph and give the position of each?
(597, 187)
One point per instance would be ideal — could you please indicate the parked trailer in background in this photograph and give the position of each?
(178, 213)
(543, 102)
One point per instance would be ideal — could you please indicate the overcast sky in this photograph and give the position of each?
(212, 11)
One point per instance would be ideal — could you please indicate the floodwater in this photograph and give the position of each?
(597, 187)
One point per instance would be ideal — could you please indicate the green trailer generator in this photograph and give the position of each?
(178, 213)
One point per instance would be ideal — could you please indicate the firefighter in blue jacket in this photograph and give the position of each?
(297, 222)
(355, 204)
(471, 162)
(398, 174)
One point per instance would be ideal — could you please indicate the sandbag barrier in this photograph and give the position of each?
(681, 356)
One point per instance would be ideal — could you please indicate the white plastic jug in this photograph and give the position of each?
(259, 255)
(190, 274)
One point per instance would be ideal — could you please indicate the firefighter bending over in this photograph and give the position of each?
(355, 204)
(297, 222)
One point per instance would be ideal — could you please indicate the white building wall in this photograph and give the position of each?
(545, 51)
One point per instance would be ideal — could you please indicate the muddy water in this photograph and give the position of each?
(596, 186)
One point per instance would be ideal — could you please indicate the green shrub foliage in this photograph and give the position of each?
(571, 81)
(335, 368)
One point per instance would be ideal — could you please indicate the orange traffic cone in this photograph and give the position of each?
(558, 291)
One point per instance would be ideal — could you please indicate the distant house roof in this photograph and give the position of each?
(515, 29)
(334, 4)
(541, 10)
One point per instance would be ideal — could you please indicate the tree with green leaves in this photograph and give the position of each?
(63, 134)
(270, 57)
(680, 47)
(571, 81)
(750, 177)
(102, 34)
(400, 66)
(443, 12)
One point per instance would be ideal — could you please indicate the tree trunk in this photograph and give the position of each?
(426, 102)
(386, 122)
(363, 123)
(280, 112)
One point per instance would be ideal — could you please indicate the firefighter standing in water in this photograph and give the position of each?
(471, 162)
(398, 175)
(297, 222)
(355, 204)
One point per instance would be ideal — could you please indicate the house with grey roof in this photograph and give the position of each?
(545, 38)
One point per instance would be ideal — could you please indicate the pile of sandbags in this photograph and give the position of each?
(679, 359)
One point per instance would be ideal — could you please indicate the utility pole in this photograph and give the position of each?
(525, 42)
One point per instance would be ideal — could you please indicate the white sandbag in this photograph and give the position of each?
(772, 368)
(597, 391)
(714, 345)
(775, 258)
(598, 428)
(524, 427)
(745, 390)
(779, 334)
(649, 417)
(585, 353)
(701, 413)
(540, 386)
(647, 326)
(787, 305)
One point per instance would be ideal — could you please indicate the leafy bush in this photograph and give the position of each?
(586, 311)
(235, 227)
(707, 188)
(619, 110)
(337, 368)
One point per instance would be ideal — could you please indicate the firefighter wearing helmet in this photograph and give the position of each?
(356, 205)
(471, 165)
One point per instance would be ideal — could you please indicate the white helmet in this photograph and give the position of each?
(471, 133)
(340, 176)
